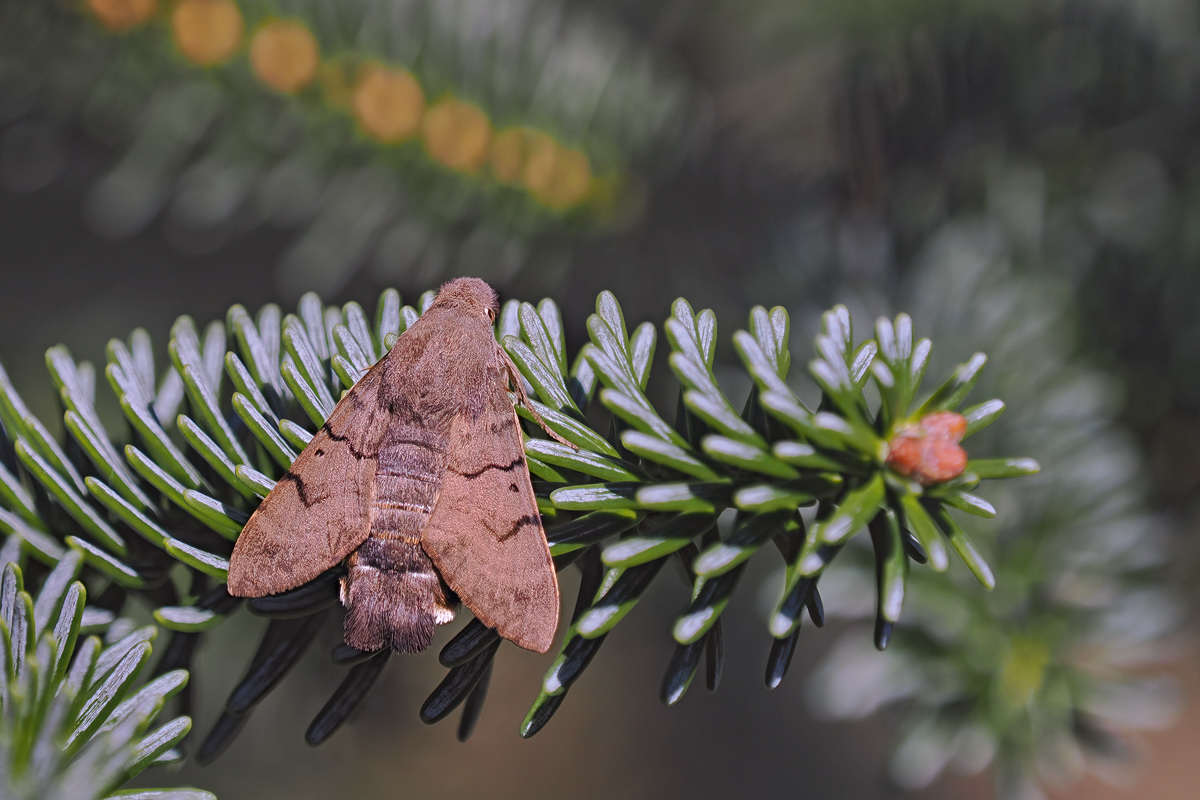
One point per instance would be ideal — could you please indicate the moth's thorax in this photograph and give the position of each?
(447, 363)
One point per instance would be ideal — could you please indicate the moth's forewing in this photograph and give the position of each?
(485, 534)
(440, 392)
(319, 512)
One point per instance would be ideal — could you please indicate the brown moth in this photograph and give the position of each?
(418, 482)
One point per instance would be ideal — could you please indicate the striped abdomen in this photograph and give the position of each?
(393, 595)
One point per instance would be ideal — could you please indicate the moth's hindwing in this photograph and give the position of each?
(485, 534)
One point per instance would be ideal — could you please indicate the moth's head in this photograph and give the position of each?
(471, 295)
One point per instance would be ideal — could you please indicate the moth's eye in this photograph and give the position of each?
(491, 315)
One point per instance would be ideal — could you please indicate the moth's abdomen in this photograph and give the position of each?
(407, 478)
(394, 597)
(393, 594)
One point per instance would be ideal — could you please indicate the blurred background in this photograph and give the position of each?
(1022, 177)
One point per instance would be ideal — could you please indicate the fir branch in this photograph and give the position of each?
(1047, 677)
(73, 724)
(189, 480)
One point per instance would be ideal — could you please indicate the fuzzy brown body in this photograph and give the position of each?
(393, 592)
(418, 482)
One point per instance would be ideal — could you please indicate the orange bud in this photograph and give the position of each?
(945, 425)
(929, 451)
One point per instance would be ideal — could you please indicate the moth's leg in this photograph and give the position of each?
(514, 377)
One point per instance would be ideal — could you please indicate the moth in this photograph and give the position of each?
(418, 483)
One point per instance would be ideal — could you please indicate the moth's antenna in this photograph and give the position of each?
(514, 377)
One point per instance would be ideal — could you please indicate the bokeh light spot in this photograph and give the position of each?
(558, 177)
(388, 104)
(508, 155)
(285, 55)
(207, 32)
(122, 15)
(457, 135)
(541, 152)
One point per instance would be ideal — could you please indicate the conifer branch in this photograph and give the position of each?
(74, 723)
(240, 400)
